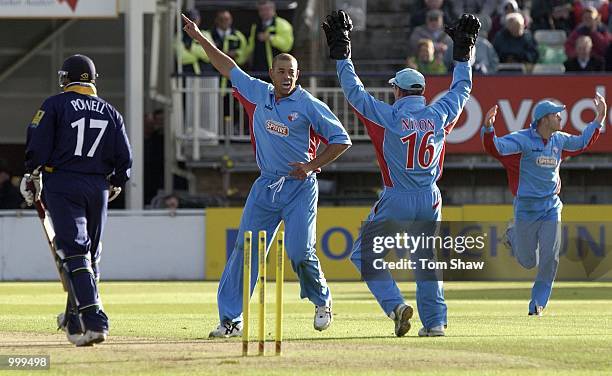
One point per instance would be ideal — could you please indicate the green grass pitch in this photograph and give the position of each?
(160, 328)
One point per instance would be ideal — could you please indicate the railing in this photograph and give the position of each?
(206, 115)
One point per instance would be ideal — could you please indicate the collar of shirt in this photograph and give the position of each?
(222, 33)
(534, 134)
(82, 88)
(295, 96)
(267, 23)
(582, 63)
(413, 102)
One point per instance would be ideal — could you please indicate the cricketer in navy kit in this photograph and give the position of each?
(287, 123)
(532, 158)
(409, 138)
(77, 145)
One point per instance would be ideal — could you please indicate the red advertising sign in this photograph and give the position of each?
(516, 96)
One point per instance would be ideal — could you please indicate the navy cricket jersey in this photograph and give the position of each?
(77, 131)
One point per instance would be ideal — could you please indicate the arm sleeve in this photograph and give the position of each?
(283, 39)
(361, 101)
(499, 147)
(574, 145)
(41, 136)
(123, 155)
(531, 50)
(242, 51)
(449, 107)
(326, 125)
(252, 89)
(250, 47)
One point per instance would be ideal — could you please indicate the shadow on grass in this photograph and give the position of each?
(518, 293)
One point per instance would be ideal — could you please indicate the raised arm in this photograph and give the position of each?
(463, 34)
(337, 28)
(218, 59)
(574, 145)
(498, 147)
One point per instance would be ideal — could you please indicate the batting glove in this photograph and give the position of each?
(31, 187)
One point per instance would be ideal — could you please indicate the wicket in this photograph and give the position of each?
(246, 296)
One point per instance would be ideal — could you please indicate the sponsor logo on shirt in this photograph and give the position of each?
(546, 162)
(292, 116)
(277, 128)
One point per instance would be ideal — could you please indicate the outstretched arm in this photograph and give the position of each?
(337, 28)
(574, 145)
(498, 147)
(218, 59)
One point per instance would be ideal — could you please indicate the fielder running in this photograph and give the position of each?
(532, 158)
(287, 124)
(77, 144)
(408, 137)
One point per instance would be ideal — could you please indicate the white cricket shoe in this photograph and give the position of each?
(227, 329)
(401, 315)
(538, 312)
(72, 338)
(90, 338)
(436, 331)
(323, 317)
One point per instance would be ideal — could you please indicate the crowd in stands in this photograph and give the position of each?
(268, 36)
(573, 35)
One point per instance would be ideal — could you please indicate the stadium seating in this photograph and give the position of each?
(550, 46)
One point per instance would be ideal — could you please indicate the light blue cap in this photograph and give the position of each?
(408, 79)
(543, 108)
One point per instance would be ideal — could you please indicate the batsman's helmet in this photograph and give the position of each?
(77, 68)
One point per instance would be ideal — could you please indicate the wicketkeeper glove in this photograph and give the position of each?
(463, 34)
(337, 28)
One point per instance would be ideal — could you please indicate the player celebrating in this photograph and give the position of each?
(408, 137)
(286, 126)
(77, 144)
(532, 158)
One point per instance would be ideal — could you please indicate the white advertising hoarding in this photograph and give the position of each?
(58, 8)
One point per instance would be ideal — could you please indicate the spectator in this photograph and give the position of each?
(153, 154)
(483, 8)
(552, 15)
(228, 39)
(10, 198)
(600, 5)
(192, 56)
(591, 25)
(419, 17)
(513, 43)
(584, 62)
(434, 30)
(426, 61)
(270, 36)
(485, 59)
(172, 203)
(498, 19)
